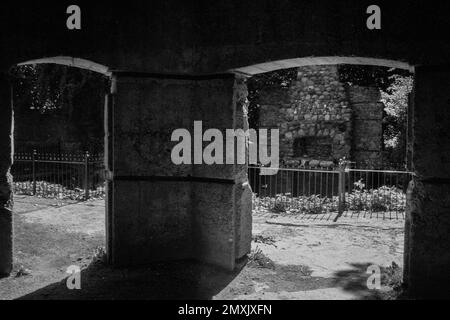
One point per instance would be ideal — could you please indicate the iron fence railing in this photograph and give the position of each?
(332, 190)
(63, 176)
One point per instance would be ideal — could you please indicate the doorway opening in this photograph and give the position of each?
(336, 208)
(58, 169)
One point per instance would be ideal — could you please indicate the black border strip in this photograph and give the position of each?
(132, 74)
(174, 179)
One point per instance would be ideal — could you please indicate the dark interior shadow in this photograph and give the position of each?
(181, 280)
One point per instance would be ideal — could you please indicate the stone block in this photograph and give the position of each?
(146, 112)
(151, 222)
(427, 248)
(243, 199)
(431, 141)
(214, 216)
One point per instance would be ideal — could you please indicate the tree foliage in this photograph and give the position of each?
(50, 87)
(395, 100)
(58, 107)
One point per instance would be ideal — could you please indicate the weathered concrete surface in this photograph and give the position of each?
(151, 222)
(243, 231)
(427, 254)
(6, 200)
(427, 242)
(162, 210)
(177, 36)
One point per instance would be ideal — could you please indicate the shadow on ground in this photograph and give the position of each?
(354, 280)
(189, 280)
(177, 280)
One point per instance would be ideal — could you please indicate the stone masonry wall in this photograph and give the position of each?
(313, 116)
(322, 120)
(367, 124)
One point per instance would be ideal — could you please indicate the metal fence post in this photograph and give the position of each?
(341, 191)
(33, 158)
(86, 175)
(343, 171)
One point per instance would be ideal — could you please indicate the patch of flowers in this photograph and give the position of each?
(49, 190)
(382, 199)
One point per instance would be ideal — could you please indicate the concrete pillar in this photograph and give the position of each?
(6, 200)
(427, 244)
(162, 211)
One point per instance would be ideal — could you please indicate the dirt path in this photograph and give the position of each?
(49, 236)
(335, 255)
(307, 258)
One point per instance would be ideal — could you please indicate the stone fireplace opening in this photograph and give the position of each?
(313, 147)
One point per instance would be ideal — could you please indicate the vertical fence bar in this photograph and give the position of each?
(341, 191)
(86, 175)
(33, 159)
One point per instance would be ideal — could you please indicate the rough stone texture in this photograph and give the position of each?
(322, 119)
(6, 198)
(427, 251)
(367, 122)
(151, 222)
(431, 138)
(165, 211)
(244, 219)
(213, 211)
(312, 114)
(146, 112)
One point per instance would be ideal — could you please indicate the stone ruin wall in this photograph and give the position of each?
(322, 120)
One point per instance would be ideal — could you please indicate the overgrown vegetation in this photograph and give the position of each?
(99, 256)
(392, 276)
(259, 238)
(395, 99)
(382, 199)
(58, 108)
(49, 190)
(258, 259)
(51, 87)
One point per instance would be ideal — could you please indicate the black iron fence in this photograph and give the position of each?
(61, 176)
(332, 190)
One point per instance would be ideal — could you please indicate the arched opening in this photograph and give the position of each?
(320, 61)
(326, 215)
(71, 62)
(59, 165)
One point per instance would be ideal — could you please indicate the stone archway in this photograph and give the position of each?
(427, 244)
(7, 146)
(146, 192)
(72, 62)
(320, 61)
